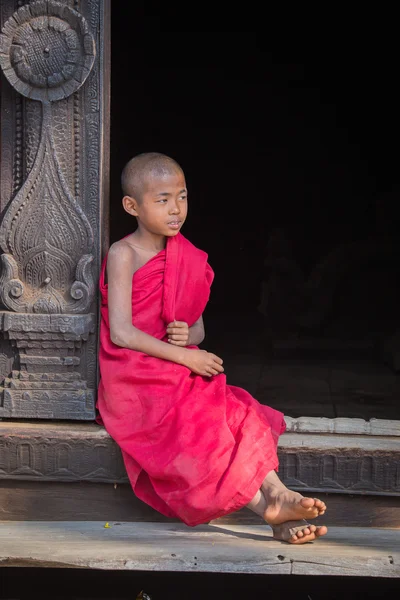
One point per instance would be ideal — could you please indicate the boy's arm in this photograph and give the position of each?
(196, 333)
(121, 266)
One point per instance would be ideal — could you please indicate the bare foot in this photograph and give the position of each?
(284, 505)
(291, 506)
(298, 532)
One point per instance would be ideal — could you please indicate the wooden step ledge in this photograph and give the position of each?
(318, 462)
(340, 425)
(212, 548)
(343, 425)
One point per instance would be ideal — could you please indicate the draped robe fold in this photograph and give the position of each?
(194, 448)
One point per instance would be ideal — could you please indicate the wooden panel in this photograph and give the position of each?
(315, 462)
(54, 177)
(210, 548)
(36, 501)
(59, 452)
(53, 501)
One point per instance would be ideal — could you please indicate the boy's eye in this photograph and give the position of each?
(182, 197)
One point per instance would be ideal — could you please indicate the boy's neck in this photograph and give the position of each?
(149, 241)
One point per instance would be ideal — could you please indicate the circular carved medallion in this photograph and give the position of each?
(46, 50)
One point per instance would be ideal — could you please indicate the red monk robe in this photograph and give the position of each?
(194, 448)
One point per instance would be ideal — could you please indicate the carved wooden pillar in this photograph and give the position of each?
(53, 182)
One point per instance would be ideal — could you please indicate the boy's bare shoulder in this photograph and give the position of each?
(122, 255)
(121, 248)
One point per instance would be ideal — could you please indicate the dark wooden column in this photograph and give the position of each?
(54, 186)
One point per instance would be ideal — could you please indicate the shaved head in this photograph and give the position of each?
(144, 167)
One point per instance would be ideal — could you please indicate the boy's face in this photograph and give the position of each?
(162, 209)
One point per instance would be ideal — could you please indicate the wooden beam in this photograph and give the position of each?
(338, 442)
(57, 501)
(212, 548)
(343, 425)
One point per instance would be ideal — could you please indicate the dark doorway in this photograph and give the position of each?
(291, 170)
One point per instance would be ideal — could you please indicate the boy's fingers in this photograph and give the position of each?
(177, 324)
(214, 372)
(175, 330)
(214, 365)
(178, 338)
(217, 359)
(218, 367)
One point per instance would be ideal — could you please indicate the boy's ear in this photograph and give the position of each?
(130, 205)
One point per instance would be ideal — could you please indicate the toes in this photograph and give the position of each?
(304, 539)
(313, 532)
(306, 531)
(307, 502)
(314, 505)
(319, 504)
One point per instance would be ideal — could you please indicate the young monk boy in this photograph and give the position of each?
(194, 447)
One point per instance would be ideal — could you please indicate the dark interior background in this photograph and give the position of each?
(300, 141)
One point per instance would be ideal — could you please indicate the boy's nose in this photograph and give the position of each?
(174, 209)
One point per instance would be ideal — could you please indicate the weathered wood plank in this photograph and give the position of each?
(343, 511)
(325, 441)
(370, 550)
(336, 438)
(212, 548)
(89, 431)
(79, 431)
(70, 501)
(343, 426)
(57, 501)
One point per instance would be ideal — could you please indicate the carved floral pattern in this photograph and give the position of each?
(46, 52)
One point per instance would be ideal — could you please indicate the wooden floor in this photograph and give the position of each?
(314, 387)
(213, 548)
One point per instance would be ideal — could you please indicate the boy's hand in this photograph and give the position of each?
(203, 363)
(178, 333)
